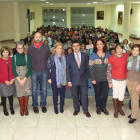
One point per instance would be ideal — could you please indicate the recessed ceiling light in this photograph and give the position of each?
(95, 2)
(47, 2)
(51, 3)
(88, 3)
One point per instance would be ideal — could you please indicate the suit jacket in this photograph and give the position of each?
(75, 75)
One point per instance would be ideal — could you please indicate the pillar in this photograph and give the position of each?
(68, 16)
(16, 21)
(126, 21)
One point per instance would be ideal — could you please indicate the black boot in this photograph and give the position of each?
(5, 112)
(61, 109)
(56, 109)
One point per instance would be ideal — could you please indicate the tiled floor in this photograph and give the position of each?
(50, 126)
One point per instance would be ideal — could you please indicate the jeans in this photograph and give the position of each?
(101, 94)
(36, 77)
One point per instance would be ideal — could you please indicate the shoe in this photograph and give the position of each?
(21, 103)
(105, 111)
(56, 109)
(12, 111)
(1, 104)
(116, 107)
(88, 114)
(44, 110)
(129, 116)
(132, 120)
(26, 99)
(35, 109)
(61, 109)
(120, 108)
(5, 112)
(98, 111)
(76, 113)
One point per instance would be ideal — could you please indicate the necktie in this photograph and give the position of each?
(78, 60)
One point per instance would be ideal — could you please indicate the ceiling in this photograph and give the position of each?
(87, 2)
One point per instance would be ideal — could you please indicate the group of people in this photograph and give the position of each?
(71, 63)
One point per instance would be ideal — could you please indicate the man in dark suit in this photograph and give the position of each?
(77, 77)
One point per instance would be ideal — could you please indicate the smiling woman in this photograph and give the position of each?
(7, 86)
(56, 74)
(98, 63)
(21, 66)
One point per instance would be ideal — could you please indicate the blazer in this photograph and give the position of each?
(75, 75)
(51, 68)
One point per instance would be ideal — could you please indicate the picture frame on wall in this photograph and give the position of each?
(120, 17)
(100, 15)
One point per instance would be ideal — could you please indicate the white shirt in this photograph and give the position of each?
(75, 54)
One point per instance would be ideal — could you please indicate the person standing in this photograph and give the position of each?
(56, 74)
(133, 81)
(21, 66)
(77, 77)
(39, 54)
(116, 75)
(98, 63)
(7, 86)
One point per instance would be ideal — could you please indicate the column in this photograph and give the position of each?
(16, 21)
(68, 16)
(126, 21)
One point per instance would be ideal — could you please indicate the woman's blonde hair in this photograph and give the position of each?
(55, 46)
(5, 48)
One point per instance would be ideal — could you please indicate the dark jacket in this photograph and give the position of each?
(51, 68)
(75, 75)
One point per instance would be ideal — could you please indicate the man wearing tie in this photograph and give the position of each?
(77, 78)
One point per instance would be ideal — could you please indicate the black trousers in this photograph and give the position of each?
(55, 94)
(84, 97)
(10, 98)
(101, 94)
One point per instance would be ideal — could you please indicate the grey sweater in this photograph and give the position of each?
(39, 57)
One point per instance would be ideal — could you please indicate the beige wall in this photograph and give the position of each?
(110, 17)
(135, 17)
(7, 22)
(114, 17)
(39, 21)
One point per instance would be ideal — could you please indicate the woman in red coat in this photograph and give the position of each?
(7, 86)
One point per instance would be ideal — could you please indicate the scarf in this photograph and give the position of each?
(38, 45)
(60, 70)
(129, 64)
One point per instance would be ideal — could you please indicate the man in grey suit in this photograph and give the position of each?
(77, 78)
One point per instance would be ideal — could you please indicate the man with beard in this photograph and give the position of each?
(77, 77)
(39, 54)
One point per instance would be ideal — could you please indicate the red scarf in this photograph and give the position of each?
(38, 45)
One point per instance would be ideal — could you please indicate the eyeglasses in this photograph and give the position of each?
(20, 48)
